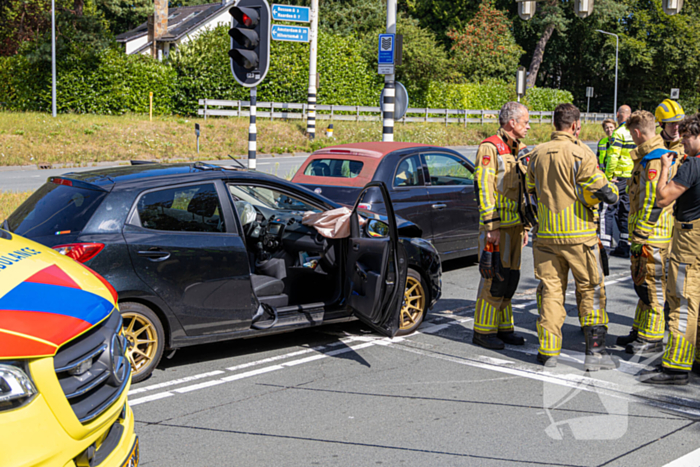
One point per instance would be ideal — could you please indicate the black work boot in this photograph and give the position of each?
(511, 338)
(489, 341)
(547, 361)
(621, 251)
(696, 367)
(643, 347)
(661, 375)
(623, 341)
(597, 358)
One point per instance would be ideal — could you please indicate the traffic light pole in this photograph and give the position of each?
(389, 85)
(311, 117)
(252, 130)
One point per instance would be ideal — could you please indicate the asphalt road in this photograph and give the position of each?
(341, 396)
(25, 179)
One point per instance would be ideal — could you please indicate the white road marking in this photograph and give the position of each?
(691, 459)
(175, 382)
(492, 363)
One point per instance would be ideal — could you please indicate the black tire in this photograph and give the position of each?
(411, 317)
(142, 326)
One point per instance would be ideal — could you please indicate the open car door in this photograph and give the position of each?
(376, 266)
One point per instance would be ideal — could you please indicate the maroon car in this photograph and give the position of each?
(431, 186)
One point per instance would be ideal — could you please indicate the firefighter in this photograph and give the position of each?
(618, 169)
(683, 291)
(568, 184)
(603, 146)
(668, 115)
(501, 229)
(651, 228)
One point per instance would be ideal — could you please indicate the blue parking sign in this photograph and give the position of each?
(386, 49)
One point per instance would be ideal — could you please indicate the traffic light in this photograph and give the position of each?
(250, 41)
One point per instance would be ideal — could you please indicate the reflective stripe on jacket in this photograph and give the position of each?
(568, 184)
(649, 223)
(603, 145)
(498, 182)
(619, 162)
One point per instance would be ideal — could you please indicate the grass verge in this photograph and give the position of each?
(10, 200)
(32, 138)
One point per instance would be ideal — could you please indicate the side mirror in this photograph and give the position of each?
(377, 228)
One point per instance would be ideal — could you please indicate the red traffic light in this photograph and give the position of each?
(248, 17)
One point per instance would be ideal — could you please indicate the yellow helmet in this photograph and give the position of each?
(669, 111)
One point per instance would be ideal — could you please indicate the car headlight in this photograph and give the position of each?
(16, 388)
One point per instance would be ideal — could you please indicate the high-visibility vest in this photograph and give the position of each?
(603, 145)
(619, 162)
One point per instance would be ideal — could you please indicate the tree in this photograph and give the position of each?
(124, 15)
(551, 16)
(485, 47)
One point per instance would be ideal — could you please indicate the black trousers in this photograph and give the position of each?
(618, 213)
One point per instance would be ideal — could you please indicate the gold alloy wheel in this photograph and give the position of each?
(142, 337)
(413, 303)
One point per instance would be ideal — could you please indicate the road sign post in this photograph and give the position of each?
(521, 82)
(589, 94)
(311, 116)
(386, 61)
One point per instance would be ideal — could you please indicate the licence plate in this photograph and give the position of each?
(132, 459)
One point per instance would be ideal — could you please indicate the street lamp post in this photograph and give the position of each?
(617, 49)
(53, 58)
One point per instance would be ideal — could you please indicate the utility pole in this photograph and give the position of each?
(53, 58)
(389, 86)
(617, 50)
(311, 118)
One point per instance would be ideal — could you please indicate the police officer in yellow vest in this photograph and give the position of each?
(603, 147)
(683, 291)
(618, 170)
(651, 229)
(501, 231)
(604, 143)
(568, 184)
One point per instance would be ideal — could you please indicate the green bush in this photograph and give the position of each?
(203, 71)
(111, 83)
(546, 99)
(491, 95)
(117, 84)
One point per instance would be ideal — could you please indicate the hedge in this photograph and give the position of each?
(115, 83)
(203, 71)
(491, 95)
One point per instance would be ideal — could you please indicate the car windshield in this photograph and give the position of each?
(268, 198)
(55, 209)
(338, 168)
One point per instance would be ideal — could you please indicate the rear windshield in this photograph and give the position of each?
(339, 168)
(55, 209)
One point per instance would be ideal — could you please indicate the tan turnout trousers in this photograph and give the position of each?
(552, 265)
(683, 296)
(494, 312)
(649, 316)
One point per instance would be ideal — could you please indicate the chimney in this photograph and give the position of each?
(160, 20)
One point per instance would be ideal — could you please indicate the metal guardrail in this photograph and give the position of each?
(360, 113)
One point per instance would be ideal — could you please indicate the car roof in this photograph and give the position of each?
(377, 149)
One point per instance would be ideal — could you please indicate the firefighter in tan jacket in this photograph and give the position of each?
(651, 228)
(568, 185)
(501, 231)
(683, 289)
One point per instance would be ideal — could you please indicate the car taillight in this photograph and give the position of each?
(81, 252)
(61, 181)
